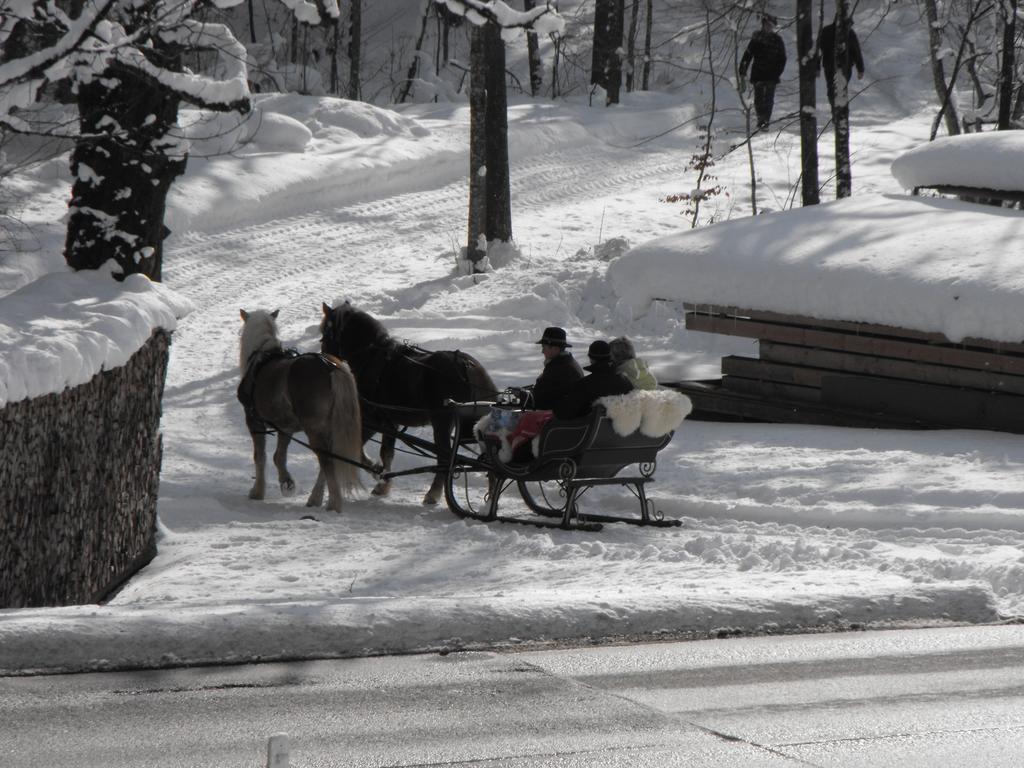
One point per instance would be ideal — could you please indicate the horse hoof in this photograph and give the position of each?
(256, 495)
(429, 501)
(287, 487)
(381, 489)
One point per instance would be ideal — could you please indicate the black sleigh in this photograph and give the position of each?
(570, 458)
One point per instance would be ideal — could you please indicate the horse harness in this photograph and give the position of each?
(257, 361)
(383, 354)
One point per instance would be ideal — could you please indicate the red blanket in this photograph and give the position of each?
(528, 427)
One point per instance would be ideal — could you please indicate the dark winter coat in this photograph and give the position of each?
(559, 374)
(580, 398)
(827, 46)
(768, 53)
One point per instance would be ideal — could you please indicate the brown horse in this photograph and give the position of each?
(286, 392)
(401, 385)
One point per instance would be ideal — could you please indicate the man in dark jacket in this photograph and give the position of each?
(560, 372)
(768, 54)
(602, 381)
(827, 46)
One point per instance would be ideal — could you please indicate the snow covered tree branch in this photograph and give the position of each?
(124, 62)
(541, 20)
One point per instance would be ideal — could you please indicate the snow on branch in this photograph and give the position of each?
(313, 13)
(542, 20)
(232, 92)
(21, 78)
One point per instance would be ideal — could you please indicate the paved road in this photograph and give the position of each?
(912, 698)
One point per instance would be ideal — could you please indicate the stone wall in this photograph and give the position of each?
(79, 474)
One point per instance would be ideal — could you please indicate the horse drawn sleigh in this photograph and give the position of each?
(616, 444)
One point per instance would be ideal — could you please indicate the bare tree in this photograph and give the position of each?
(935, 43)
(414, 63)
(807, 61)
(533, 56)
(1006, 71)
(355, 49)
(976, 12)
(645, 81)
(490, 211)
(606, 67)
(841, 108)
(634, 12)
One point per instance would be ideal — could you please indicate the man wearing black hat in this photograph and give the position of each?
(601, 381)
(768, 54)
(560, 372)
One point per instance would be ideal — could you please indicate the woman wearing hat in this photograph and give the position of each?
(560, 372)
(601, 381)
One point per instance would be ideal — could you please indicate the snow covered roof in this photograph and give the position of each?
(926, 264)
(992, 160)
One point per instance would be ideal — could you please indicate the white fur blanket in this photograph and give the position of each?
(655, 412)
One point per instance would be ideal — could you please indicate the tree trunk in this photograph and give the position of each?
(841, 112)
(634, 12)
(606, 63)
(977, 11)
(533, 56)
(477, 146)
(119, 195)
(1007, 69)
(938, 68)
(335, 87)
(355, 46)
(648, 23)
(555, 59)
(252, 22)
(499, 195)
(414, 65)
(807, 59)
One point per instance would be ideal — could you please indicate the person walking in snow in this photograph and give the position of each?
(601, 381)
(766, 57)
(630, 366)
(560, 372)
(854, 58)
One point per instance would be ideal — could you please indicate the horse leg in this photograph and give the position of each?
(281, 462)
(328, 474)
(259, 458)
(321, 444)
(387, 455)
(316, 496)
(442, 424)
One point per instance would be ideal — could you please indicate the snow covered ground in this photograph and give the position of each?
(785, 527)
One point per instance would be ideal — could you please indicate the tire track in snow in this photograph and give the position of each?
(319, 245)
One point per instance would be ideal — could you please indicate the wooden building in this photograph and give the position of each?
(857, 374)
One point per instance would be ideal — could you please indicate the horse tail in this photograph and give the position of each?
(346, 427)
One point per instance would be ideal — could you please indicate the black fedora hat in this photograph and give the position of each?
(554, 336)
(600, 354)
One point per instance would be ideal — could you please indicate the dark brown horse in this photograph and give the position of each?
(288, 393)
(401, 385)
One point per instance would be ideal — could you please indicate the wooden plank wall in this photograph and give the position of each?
(858, 374)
